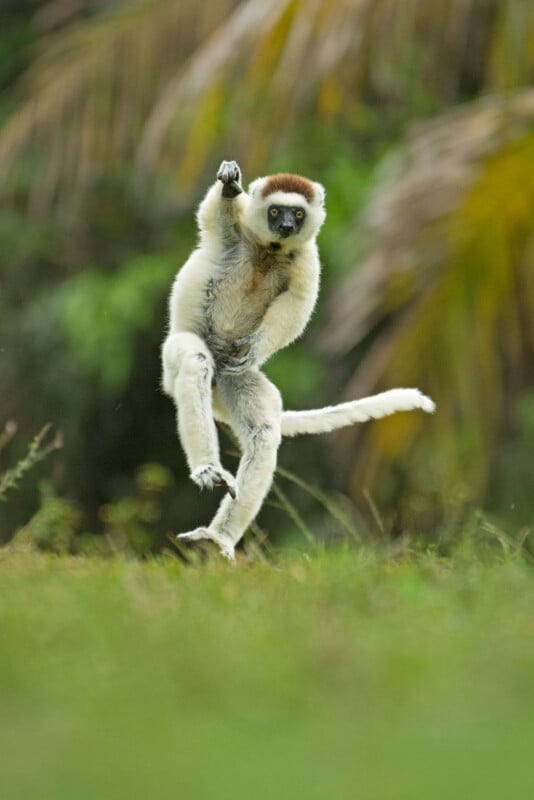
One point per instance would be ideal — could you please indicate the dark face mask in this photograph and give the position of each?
(285, 220)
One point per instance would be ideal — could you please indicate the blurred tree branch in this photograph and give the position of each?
(163, 84)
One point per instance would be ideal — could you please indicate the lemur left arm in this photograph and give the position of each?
(287, 317)
(219, 213)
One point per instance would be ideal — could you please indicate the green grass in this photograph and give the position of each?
(337, 674)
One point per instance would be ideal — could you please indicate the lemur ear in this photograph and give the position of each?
(320, 194)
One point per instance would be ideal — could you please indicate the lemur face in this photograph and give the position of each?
(285, 220)
(287, 210)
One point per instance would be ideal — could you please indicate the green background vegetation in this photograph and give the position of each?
(376, 638)
(417, 117)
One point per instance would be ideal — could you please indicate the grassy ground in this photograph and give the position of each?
(331, 675)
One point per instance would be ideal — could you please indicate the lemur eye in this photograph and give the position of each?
(299, 214)
(273, 212)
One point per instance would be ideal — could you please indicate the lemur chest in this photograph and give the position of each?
(246, 283)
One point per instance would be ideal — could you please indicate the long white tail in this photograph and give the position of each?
(322, 420)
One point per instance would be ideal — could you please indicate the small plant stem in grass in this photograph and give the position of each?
(333, 509)
(374, 511)
(37, 451)
(292, 512)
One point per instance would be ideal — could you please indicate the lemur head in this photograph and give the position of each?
(285, 209)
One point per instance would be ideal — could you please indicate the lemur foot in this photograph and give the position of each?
(209, 475)
(230, 176)
(222, 540)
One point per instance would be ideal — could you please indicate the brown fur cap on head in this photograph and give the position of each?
(284, 182)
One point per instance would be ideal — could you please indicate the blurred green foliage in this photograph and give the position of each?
(101, 314)
(113, 118)
(129, 525)
(53, 526)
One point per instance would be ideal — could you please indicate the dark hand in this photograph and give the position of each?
(229, 175)
(241, 355)
(232, 358)
(218, 346)
(227, 357)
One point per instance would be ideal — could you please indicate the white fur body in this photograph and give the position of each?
(243, 294)
(235, 284)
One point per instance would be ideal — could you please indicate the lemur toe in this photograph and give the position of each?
(194, 536)
(222, 540)
(208, 476)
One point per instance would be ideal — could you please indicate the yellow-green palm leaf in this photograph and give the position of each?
(444, 298)
(167, 85)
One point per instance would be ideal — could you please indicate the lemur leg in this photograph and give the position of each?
(187, 377)
(253, 406)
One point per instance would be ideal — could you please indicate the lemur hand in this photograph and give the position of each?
(229, 175)
(228, 356)
(218, 346)
(240, 356)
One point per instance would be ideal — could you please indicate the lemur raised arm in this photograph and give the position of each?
(247, 291)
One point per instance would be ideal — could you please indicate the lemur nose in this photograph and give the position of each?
(286, 229)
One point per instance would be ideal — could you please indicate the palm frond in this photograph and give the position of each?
(168, 85)
(91, 87)
(444, 299)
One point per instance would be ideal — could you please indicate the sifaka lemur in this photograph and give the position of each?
(246, 291)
